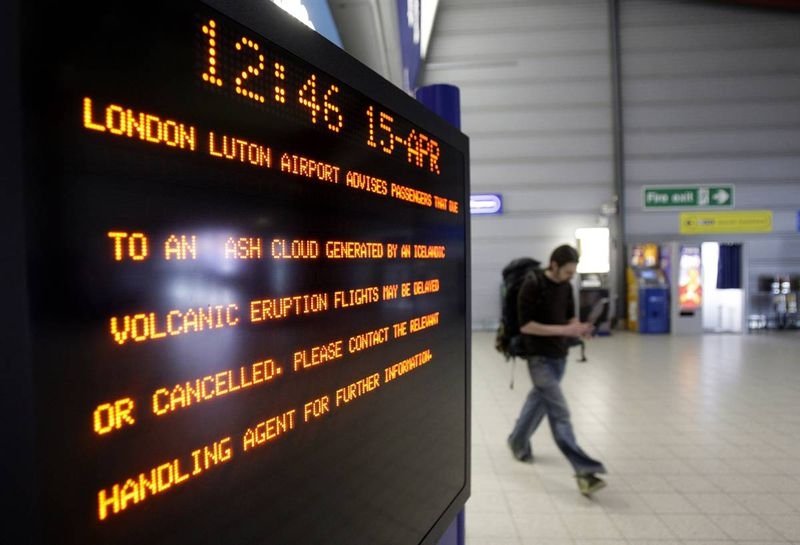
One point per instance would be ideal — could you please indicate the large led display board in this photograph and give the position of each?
(235, 278)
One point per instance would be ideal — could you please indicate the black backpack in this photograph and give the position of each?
(508, 340)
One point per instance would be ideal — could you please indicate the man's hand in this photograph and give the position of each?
(577, 329)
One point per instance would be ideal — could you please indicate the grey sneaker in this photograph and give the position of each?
(589, 484)
(524, 457)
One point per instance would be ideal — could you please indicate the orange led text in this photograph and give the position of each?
(362, 341)
(411, 195)
(211, 75)
(187, 394)
(357, 389)
(426, 286)
(269, 430)
(339, 249)
(365, 182)
(243, 248)
(420, 146)
(148, 327)
(136, 248)
(284, 307)
(112, 416)
(135, 490)
(356, 297)
(180, 248)
(147, 127)
(295, 249)
(250, 71)
(324, 353)
(407, 365)
(309, 168)
(424, 322)
(236, 149)
(316, 408)
(423, 251)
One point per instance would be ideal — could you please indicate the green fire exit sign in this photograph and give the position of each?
(718, 196)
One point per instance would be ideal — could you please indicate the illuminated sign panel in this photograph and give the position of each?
(690, 279)
(486, 203)
(246, 284)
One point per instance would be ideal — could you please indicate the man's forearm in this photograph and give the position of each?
(543, 330)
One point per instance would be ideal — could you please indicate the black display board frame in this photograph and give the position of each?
(16, 340)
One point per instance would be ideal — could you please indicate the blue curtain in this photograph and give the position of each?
(729, 268)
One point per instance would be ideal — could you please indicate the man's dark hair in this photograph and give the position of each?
(564, 254)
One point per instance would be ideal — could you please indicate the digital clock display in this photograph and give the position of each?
(246, 284)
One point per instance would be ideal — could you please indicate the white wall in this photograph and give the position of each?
(712, 95)
(535, 96)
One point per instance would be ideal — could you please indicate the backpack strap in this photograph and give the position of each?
(541, 285)
(537, 278)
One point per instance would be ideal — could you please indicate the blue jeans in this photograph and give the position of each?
(546, 398)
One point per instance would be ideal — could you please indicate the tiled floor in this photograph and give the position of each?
(701, 437)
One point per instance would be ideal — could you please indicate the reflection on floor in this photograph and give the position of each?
(701, 437)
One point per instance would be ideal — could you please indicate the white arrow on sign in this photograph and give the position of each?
(721, 196)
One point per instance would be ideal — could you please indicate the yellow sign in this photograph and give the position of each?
(745, 221)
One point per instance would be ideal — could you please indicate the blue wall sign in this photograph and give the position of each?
(409, 12)
(486, 203)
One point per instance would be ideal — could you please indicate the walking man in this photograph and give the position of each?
(547, 319)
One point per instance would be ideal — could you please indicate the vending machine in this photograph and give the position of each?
(648, 290)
